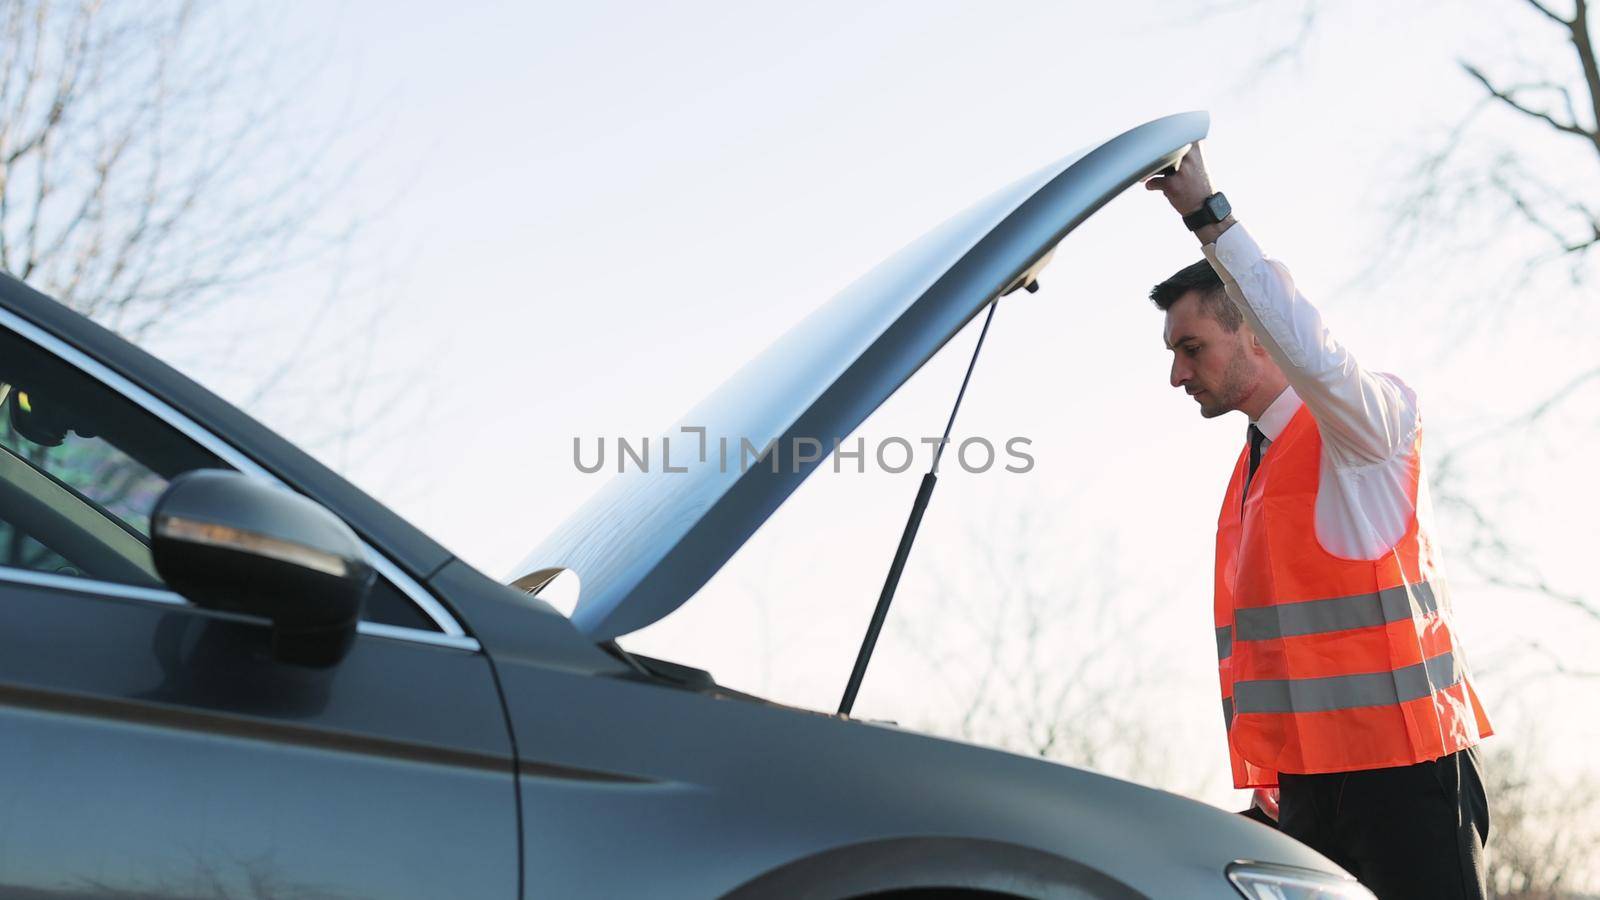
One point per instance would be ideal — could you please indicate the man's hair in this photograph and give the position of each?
(1213, 298)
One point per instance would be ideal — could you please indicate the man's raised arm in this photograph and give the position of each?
(1364, 417)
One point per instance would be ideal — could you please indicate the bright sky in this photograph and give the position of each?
(594, 212)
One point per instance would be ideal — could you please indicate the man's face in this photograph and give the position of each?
(1212, 364)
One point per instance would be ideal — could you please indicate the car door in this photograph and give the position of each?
(150, 748)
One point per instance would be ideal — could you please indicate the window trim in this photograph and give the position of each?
(450, 633)
(117, 591)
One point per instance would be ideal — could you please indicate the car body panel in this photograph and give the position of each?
(650, 538)
(720, 791)
(924, 863)
(159, 750)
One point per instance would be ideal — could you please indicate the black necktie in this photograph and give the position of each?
(1256, 440)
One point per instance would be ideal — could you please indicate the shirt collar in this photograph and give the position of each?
(1277, 415)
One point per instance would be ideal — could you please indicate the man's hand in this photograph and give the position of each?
(1187, 189)
(1266, 799)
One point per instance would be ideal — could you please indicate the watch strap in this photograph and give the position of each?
(1213, 210)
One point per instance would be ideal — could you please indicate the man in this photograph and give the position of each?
(1347, 698)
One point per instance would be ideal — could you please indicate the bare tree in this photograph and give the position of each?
(1278, 54)
(1031, 645)
(160, 159)
(1495, 164)
(1527, 153)
(1544, 836)
(1489, 553)
(147, 162)
(1572, 223)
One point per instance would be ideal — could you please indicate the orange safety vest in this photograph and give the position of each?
(1331, 664)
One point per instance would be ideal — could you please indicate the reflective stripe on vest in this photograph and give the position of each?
(1289, 695)
(1260, 623)
(1330, 664)
(1292, 695)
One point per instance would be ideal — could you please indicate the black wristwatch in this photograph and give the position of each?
(1214, 210)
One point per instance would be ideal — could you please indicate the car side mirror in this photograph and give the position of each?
(230, 542)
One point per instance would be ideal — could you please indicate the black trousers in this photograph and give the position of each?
(1406, 832)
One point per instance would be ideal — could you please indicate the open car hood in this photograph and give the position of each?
(648, 540)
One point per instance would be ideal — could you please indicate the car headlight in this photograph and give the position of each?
(1263, 881)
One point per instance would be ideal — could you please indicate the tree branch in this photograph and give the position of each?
(1579, 31)
(1547, 13)
(1508, 98)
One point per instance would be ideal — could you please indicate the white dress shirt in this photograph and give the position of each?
(1367, 419)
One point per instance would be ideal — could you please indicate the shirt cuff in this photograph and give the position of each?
(1233, 253)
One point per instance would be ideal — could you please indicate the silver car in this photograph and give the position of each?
(225, 672)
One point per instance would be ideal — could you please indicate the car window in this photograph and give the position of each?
(81, 468)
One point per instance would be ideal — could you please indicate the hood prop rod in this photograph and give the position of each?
(909, 536)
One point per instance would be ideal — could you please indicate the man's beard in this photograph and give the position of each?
(1238, 380)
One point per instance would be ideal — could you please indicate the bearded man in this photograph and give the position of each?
(1348, 704)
